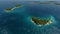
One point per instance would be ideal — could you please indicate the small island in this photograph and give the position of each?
(8, 9)
(17, 5)
(40, 21)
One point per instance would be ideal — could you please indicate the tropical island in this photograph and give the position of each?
(8, 9)
(40, 21)
(18, 5)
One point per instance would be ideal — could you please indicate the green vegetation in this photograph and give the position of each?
(40, 21)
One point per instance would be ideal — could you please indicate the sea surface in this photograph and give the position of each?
(18, 21)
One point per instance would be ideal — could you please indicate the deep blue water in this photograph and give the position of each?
(18, 20)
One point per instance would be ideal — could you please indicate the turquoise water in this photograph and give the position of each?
(18, 20)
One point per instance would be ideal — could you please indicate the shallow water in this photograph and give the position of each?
(18, 20)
